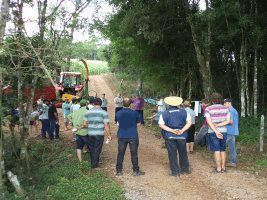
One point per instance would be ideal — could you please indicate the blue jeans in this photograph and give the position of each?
(95, 144)
(54, 128)
(174, 146)
(141, 116)
(122, 145)
(231, 143)
(45, 127)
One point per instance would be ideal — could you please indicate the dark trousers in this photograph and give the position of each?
(116, 110)
(45, 127)
(141, 116)
(174, 146)
(122, 145)
(104, 108)
(95, 144)
(54, 129)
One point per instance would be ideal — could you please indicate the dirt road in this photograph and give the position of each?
(157, 184)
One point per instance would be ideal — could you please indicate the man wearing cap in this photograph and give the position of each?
(82, 137)
(175, 122)
(232, 132)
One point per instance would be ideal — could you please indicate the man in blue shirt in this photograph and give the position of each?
(232, 132)
(175, 122)
(127, 134)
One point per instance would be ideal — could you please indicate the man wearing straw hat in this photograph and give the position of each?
(175, 122)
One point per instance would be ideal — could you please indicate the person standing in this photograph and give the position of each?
(232, 132)
(44, 119)
(118, 104)
(97, 121)
(175, 122)
(104, 104)
(204, 128)
(75, 105)
(191, 131)
(66, 108)
(82, 137)
(128, 134)
(139, 103)
(53, 121)
(218, 116)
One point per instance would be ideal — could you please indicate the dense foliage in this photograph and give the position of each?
(160, 41)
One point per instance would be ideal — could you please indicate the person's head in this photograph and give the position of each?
(186, 104)
(216, 98)
(227, 102)
(119, 95)
(103, 95)
(97, 102)
(74, 100)
(91, 100)
(205, 102)
(83, 102)
(53, 101)
(46, 102)
(127, 102)
(66, 100)
(173, 101)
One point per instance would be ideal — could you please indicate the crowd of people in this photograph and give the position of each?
(90, 122)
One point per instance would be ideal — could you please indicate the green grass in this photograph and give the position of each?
(249, 128)
(56, 174)
(96, 67)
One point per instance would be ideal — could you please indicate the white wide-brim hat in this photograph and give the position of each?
(173, 101)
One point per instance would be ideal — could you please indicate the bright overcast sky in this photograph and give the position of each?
(30, 15)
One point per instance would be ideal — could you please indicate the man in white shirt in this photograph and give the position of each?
(118, 100)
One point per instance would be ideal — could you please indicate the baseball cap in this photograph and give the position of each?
(227, 100)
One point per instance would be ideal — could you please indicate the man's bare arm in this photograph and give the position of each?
(212, 126)
(107, 130)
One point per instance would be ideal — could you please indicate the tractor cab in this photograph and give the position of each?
(70, 83)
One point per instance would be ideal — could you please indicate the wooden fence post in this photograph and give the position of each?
(261, 133)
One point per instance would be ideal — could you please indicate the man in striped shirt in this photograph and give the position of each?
(97, 121)
(218, 116)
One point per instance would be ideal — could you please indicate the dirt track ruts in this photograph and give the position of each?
(157, 184)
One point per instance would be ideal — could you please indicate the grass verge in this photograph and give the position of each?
(56, 174)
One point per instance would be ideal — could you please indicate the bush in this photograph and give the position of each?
(249, 129)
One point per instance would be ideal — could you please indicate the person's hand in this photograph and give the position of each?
(177, 132)
(109, 137)
(219, 135)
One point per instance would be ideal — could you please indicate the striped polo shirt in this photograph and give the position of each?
(217, 113)
(97, 119)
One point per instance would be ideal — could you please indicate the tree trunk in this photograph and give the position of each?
(203, 53)
(243, 80)
(139, 86)
(189, 88)
(3, 18)
(3, 189)
(248, 102)
(255, 84)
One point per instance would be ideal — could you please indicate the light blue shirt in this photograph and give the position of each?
(97, 118)
(66, 108)
(232, 129)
